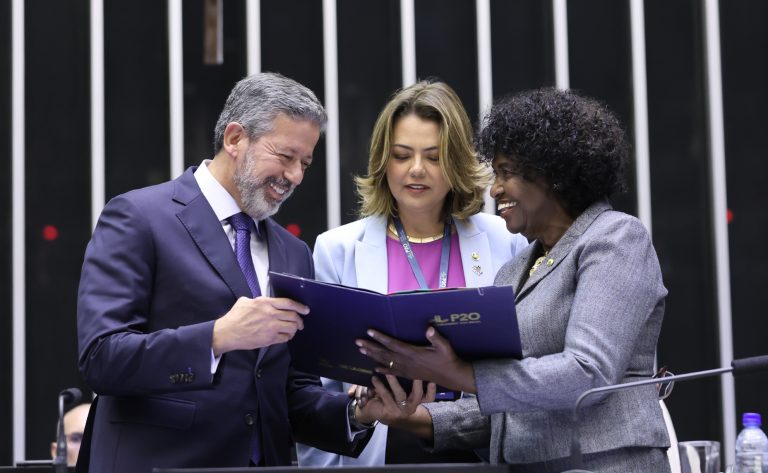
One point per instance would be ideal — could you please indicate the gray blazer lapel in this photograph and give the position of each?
(561, 248)
(371, 256)
(522, 263)
(475, 254)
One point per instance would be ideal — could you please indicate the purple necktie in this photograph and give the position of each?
(243, 225)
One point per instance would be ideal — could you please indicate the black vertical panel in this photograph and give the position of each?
(206, 87)
(292, 44)
(682, 230)
(522, 46)
(57, 194)
(745, 97)
(446, 47)
(136, 95)
(6, 306)
(370, 70)
(600, 56)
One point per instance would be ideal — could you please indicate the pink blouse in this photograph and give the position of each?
(400, 275)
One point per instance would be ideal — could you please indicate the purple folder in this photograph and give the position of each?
(479, 322)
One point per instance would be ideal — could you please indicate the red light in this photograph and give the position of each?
(50, 233)
(729, 215)
(294, 229)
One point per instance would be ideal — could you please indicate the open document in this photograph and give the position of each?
(479, 322)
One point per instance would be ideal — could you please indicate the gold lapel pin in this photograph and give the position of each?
(550, 262)
(475, 256)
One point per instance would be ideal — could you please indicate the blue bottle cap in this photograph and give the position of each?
(751, 419)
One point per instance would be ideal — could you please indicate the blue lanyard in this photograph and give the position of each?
(444, 254)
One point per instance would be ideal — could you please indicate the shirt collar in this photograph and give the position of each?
(222, 202)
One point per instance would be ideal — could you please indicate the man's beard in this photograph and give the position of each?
(254, 198)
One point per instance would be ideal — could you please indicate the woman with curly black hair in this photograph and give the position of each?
(589, 301)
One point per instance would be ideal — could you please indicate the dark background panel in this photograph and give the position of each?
(370, 70)
(681, 210)
(58, 154)
(600, 56)
(446, 47)
(6, 306)
(57, 194)
(136, 95)
(745, 97)
(206, 87)
(293, 46)
(522, 46)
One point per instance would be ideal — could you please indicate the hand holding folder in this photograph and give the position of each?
(437, 362)
(478, 322)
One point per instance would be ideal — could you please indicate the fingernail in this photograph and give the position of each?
(370, 333)
(358, 343)
(430, 331)
(362, 350)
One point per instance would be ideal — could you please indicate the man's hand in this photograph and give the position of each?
(436, 362)
(257, 323)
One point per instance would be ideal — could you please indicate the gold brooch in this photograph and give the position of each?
(538, 262)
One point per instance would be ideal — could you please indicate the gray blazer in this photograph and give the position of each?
(589, 316)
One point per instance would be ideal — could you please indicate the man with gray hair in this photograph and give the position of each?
(177, 333)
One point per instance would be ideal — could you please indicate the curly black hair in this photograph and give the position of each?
(573, 142)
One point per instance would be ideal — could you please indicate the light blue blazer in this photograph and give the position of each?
(355, 255)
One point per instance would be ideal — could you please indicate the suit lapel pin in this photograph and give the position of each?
(477, 270)
(550, 262)
(475, 256)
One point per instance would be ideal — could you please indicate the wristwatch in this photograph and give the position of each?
(354, 425)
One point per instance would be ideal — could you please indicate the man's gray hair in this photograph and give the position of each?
(258, 99)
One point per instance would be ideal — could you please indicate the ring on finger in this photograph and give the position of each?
(391, 364)
(402, 403)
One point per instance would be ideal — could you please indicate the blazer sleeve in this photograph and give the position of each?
(319, 416)
(459, 425)
(617, 290)
(116, 354)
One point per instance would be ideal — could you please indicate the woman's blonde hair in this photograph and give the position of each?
(466, 176)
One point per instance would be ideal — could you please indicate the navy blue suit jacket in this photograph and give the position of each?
(157, 272)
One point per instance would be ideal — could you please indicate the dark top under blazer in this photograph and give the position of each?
(157, 273)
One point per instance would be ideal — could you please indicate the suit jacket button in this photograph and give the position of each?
(250, 419)
(258, 373)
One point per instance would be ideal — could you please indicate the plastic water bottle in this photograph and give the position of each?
(751, 446)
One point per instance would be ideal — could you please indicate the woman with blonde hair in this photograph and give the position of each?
(420, 228)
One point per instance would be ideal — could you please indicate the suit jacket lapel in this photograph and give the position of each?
(198, 218)
(371, 256)
(203, 226)
(475, 254)
(278, 258)
(278, 262)
(558, 253)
